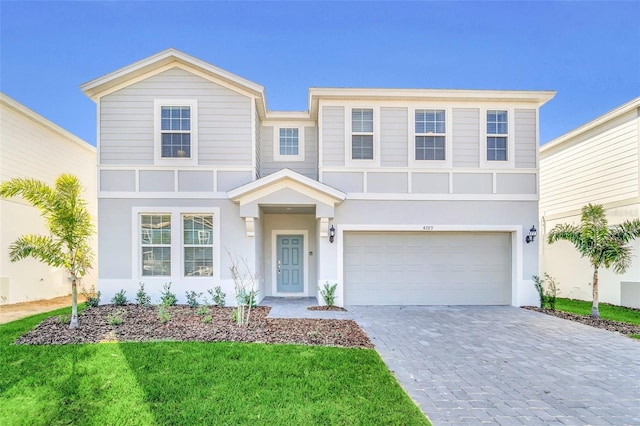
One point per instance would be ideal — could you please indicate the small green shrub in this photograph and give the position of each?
(64, 318)
(163, 313)
(193, 299)
(142, 298)
(166, 297)
(549, 294)
(202, 310)
(207, 319)
(328, 293)
(119, 299)
(218, 296)
(93, 298)
(115, 318)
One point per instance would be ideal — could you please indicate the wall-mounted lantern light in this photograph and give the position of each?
(532, 235)
(332, 234)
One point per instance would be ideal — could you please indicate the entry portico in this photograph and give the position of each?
(289, 216)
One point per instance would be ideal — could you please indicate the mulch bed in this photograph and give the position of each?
(615, 326)
(140, 324)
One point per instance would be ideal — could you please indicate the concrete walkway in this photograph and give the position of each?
(499, 365)
(17, 311)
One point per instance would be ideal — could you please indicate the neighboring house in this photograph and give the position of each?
(33, 147)
(430, 193)
(596, 163)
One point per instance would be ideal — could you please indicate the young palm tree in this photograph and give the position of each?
(601, 244)
(68, 221)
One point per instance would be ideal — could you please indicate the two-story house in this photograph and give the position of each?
(420, 197)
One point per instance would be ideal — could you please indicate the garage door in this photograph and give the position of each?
(427, 268)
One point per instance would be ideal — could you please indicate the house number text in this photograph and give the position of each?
(427, 228)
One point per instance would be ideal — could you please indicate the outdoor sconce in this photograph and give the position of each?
(332, 234)
(532, 235)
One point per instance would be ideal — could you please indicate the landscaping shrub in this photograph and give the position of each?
(167, 298)
(218, 297)
(192, 299)
(549, 294)
(142, 298)
(328, 293)
(119, 299)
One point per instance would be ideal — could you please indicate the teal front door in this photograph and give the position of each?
(290, 264)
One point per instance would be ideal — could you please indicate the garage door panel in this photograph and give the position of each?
(452, 268)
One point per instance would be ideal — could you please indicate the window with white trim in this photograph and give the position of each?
(176, 131)
(362, 134)
(197, 242)
(289, 141)
(497, 135)
(155, 244)
(430, 134)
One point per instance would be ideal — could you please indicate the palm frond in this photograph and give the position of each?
(627, 230)
(37, 193)
(42, 248)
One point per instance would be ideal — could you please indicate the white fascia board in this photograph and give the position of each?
(95, 87)
(236, 194)
(34, 116)
(603, 119)
(538, 97)
(289, 116)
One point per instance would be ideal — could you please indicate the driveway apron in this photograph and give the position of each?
(506, 365)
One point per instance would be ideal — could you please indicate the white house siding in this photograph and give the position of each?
(466, 137)
(333, 128)
(526, 143)
(33, 147)
(393, 137)
(117, 270)
(127, 121)
(308, 167)
(598, 167)
(597, 163)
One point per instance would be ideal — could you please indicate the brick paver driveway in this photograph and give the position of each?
(505, 365)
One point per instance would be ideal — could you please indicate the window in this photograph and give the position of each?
(430, 132)
(497, 135)
(289, 141)
(362, 134)
(176, 136)
(155, 242)
(198, 245)
(175, 128)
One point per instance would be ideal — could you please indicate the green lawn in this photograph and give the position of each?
(611, 312)
(195, 383)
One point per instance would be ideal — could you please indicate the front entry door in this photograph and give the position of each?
(290, 264)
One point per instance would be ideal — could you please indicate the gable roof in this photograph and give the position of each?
(168, 59)
(287, 175)
(603, 119)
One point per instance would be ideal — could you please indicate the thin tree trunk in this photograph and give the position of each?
(595, 312)
(74, 303)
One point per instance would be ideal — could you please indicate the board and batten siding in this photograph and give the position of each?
(127, 121)
(333, 128)
(598, 167)
(466, 137)
(308, 167)
(526, 144)
(393, 137)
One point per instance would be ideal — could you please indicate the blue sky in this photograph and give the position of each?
(588, 51)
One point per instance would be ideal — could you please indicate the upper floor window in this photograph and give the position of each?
(497, 135)
(362, 134)
(430, 133)
(288, 143)
(176, 130)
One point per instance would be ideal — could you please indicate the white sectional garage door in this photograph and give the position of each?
(427, 268)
